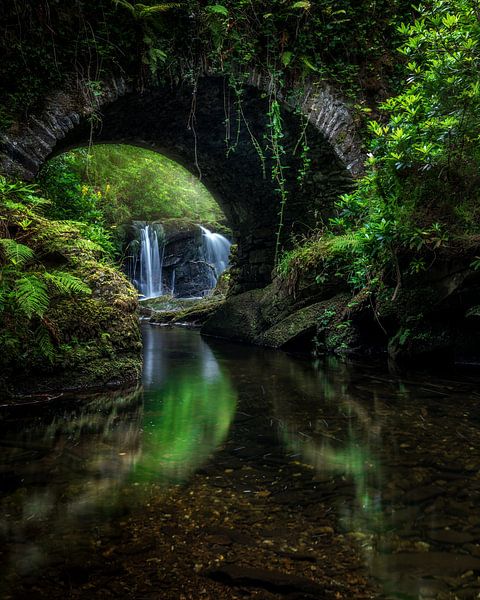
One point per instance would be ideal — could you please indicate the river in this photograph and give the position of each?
(239, 472)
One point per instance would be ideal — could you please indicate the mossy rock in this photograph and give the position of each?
(164, 317)
(97, 337)
(94, 338)
(297, 330)
(168, 303)
(238, 318)
(193, 312)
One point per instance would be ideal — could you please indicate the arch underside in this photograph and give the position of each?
(193, 132)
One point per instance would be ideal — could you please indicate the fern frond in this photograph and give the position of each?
(67, 283)
(16, 194)
(8, 187)
(147, 11)
(17, 254)
(344, 243)
(44, 343)
(126, 5)
(142, 11)
(30, 295)
(84, 244)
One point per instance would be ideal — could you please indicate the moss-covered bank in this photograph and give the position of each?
(433, 318)
(69, 317)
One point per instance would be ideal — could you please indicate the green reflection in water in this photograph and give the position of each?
(187, 418)
(83, 463)
(339, 436)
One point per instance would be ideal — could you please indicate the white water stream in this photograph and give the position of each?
(149, 283)
(216, 250)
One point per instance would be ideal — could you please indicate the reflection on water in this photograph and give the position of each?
(62, 470)
(57, 470)
(398, 460)
(190, 405)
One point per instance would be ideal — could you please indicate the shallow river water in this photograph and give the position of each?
(238, 472)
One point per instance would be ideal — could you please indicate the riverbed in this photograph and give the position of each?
(239, 472)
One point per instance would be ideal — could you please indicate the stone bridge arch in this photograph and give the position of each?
(165, 120)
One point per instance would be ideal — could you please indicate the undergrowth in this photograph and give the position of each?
(419, 197)
(38, 268)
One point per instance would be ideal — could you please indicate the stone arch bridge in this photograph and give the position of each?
(192, 130)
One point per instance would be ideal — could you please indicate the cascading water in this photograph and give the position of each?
(149, 261)
(216, 250)
(175, 265)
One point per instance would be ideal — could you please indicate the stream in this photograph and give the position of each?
(240, 472)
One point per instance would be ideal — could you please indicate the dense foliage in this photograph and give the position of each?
(114, 184)
(418, 199)
(45, 43)
(103, 188)
(66, 311)
(34, 268)
(420, 193)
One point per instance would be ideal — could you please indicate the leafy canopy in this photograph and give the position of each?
(112, 184)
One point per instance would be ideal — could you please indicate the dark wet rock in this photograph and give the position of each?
(193, 278)
(404, 515)
(197, 315)
(450, 536)
(299, 556)
(218, 539)
(288, 498)
(458, 509)
(431, 588)
(467, 593)
(434, 563)
(192, 312)
(239, 318)
(429, 322)
(273, 581)
(274, 317)
(421, 494)
(473, 549)
(441, 521)
(298, 329)
(164, 317)
(234, 535)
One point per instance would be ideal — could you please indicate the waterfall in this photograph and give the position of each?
(149, 281)
(180, 264)
(216, 250)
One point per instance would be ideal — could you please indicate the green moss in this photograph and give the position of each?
(198, 314)
(85, 338)
(183, 311)
(324, 253)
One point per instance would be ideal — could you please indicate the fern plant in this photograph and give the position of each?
(26, 284)
(143, 11)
